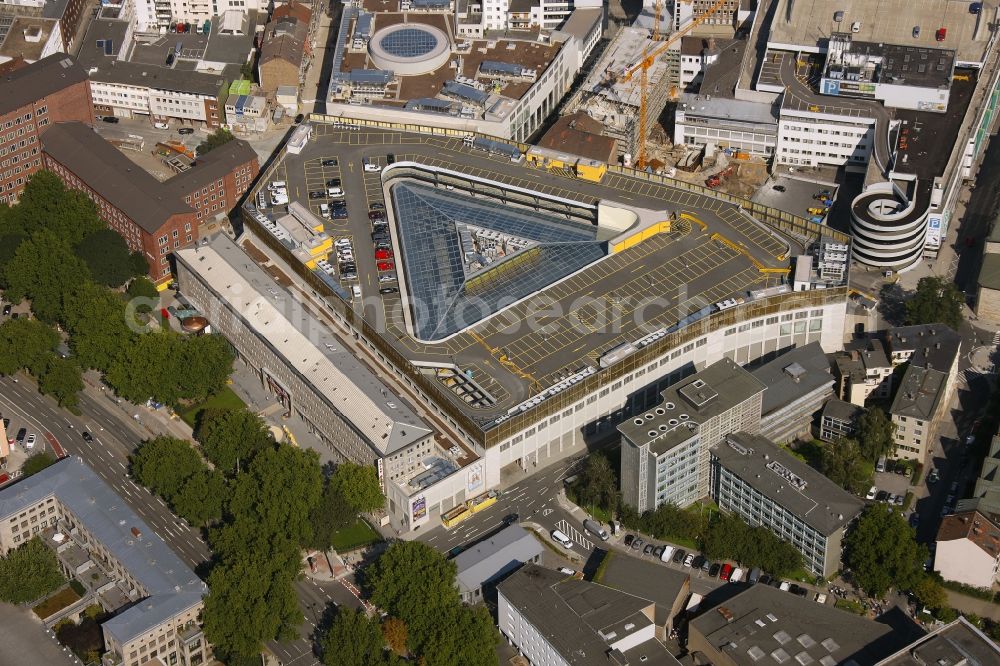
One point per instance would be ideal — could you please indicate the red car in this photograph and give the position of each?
(386, 265)
(726, 570)
(383, 254)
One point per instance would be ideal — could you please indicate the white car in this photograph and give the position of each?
(334, 191)
(387, 278)
(370, 166)
(567, 571)
(324, 210)
(279, 200)
(785, 586)
(342, 242)
(872, 493)
(689, 559)
(161, 125)
(277, 185)
(820, 598)
(30, 442)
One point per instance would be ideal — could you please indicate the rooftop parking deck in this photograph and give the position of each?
(712, 251)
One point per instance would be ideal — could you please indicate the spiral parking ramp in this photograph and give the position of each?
(889, 225)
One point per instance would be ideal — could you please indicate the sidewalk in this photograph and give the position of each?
(966, 604)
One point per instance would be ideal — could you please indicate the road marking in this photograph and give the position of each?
(574, 534)
(546, 512)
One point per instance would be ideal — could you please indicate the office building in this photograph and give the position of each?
(720, 123)
(32, 98)
(968, 549)
(958, 642)
(863, 372)
(154, 599)
(798, 383)
(839, 419)
(552, 618)
(764, 485)
(154, 217)
(489, 561)
(665, 450)
(764, 625)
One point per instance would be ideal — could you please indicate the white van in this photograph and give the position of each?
(277, 185)
(668, 552)
(562, 539)
(356, 290)
(736, 576)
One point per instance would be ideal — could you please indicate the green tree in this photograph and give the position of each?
(929, 592)
(273, 500)
(95, 319)
(876, 434)
(937, 300)
(47, 205)
(8, 248)
(354, 639)
(217, 138)
(29, 572)
(141, 370)
(395, 634)
(231, 436)
(201, 366)
(728, 537)
(332, 513)
(201, 498)
(61, 379)
(597, 484)
(163, 465)
(462, 636)
(107, 256)
(143, 289)
(36, 463)
(843, 463)
(415, 583)
(44, 269)
(359, 486)
(881, 552)
(25, 343)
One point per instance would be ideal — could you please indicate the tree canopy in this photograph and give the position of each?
(359, 486)
(201, 497)
(354, 639)
(29, 572)
(163, 465)
(61, 379)
(876, 434)
(219, 137)
(39, 271)
(25, 344)
(881, 552)
(228, 436)
(108, 258)
(46, 204)
(728, 537)
(843, 463)
(144, 292)
(331, 514)
(597, 485)
(36, 463)
(936, 300)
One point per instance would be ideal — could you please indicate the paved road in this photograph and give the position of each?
(115, 436)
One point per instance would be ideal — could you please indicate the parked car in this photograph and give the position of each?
(713, 570)
(872, 492)
(881, 496)
(629, 538)
(688, 560)
(371, 166)
(736, 576)
(648, 550)
(109, 119)
(333, 182)
(342, 242)
(897, 500)
(87, 437)
(162, 126)
(778, 188)
(186, 130)
(698, 561)
(820, 598)
(785, 586)
(329, 162)
(637, 543)
(30, 442)
(389, 277)
(375, 205)
(658, 551)
(386, 265)
(562, 539)
(727, 570)
(334, 192)
(668, 552)
(21, 434)
(388, 290)
(566, 570)
(679, 555)
(383, 254)
(764, 580)
(376, 215)
(317, 194)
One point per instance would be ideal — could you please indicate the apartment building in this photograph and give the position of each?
(863, 372)
(557, 620)
(931, 352)
(723, 19)
(665, 450)
(839, 419)
(64, 17)
(766, 486)
(52, 90)
(154, 598)
(284, 47)
(156, 218)
(968, 549)
(798, 383)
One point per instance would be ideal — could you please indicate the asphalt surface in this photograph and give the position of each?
(115, 437)
(680, 266)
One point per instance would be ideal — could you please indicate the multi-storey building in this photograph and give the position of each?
(968, 549)
(723, 19)
(762, 484)
(52, 90)
(64, 17)
(798, 383)
(284, 47)
(156, 218)
(839, 419)
(154, 598)
(863, 372)
(552, 618)
(665, 451)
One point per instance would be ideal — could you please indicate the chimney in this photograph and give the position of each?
(136, 533)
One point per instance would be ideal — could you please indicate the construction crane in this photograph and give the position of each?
(657, 12)
(647, 61)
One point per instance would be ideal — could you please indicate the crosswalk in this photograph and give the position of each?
(996, 338)
(575, 535)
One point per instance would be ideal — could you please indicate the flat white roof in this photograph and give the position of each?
(306, 344)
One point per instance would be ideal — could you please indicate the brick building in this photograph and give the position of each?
(52, 90)
(284, 47)
(154, 217)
